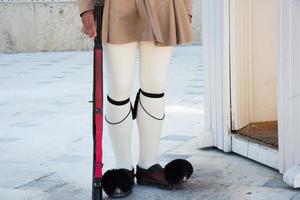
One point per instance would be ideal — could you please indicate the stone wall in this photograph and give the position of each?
(197, 20)
(50, 25)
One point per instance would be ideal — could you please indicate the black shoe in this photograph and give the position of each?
(153, 176)
(118, 183)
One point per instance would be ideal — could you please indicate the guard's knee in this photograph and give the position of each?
(138, 101)
(119, 103)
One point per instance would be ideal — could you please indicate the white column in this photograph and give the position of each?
(216, 69)
(289, 91)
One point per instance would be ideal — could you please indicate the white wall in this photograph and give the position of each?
(254, 55)
(51, 25)
(264, 51)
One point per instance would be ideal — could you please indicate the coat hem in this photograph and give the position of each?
(156, 43)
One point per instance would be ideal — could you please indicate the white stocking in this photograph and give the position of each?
(120, 62)
(154, 63)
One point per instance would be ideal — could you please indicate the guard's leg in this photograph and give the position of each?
(120, 62)
(154, 62)
(150, 113)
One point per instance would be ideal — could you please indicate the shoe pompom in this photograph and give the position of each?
(117, 183)
(178, 171)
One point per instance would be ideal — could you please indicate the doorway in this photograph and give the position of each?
(253, 70)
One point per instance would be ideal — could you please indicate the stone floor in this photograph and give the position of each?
(46, 143)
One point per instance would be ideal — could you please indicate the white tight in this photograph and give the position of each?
(120, 62)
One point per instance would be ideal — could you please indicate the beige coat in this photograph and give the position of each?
(164, 21)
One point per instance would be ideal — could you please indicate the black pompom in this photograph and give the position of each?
(117, 182)
(178, 171)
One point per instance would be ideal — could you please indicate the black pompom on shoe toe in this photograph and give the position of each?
(118, 183)
(178, 171)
